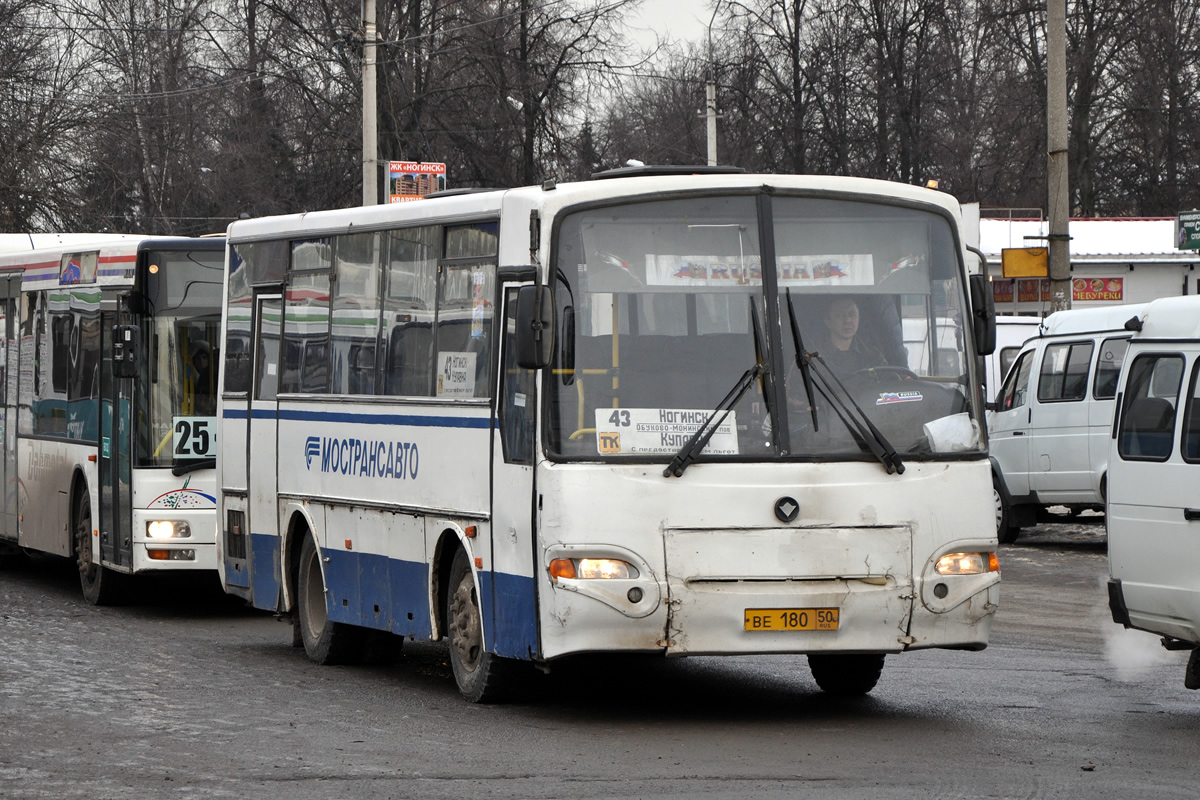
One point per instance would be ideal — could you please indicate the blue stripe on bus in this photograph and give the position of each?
(512, 613)
(378, 592)
(374, 591)
(412, 420)
(264, 571)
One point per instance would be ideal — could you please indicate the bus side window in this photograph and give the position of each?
(409, 299)
(355, 312)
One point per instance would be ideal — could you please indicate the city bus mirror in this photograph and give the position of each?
(535, 327)
(568, 345)
(983, 312)
(125, 351)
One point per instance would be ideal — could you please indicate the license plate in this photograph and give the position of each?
(791, 619)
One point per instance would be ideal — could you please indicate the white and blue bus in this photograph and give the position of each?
(606, 416)
(108, 377)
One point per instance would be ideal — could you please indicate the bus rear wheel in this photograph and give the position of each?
(101, 586)
(482, 677)
(324, 642)
(846, 675)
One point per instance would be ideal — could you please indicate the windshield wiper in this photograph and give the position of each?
(802, 360)
(192, 466)
(687, 454)
(852, 414)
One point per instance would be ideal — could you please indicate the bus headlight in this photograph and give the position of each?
(967, 564)
(589, 568)
(168, 529)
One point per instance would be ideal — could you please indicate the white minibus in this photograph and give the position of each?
(1154, 480)
(1049, 424)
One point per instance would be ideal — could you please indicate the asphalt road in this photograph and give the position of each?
(188, 694)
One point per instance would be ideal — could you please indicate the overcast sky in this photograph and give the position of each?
(678, 19)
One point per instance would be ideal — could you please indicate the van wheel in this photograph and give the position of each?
(101, 586)
(325, 642)
(846, 675)
(482, 677)
(1006, 531)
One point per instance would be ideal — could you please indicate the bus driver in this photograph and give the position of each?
(839, 344)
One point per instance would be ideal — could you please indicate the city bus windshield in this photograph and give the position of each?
(179, 384)
(665, 305)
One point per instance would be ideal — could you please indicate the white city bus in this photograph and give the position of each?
(109, 412)
(572, 418)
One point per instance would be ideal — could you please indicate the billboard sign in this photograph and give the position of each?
(412, 180)
(1187, 230)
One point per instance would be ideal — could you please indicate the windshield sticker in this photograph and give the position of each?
(889, 398)
(456, 375)
(650, 431)
(704, 270)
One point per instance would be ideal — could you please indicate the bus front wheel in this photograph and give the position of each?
(846, 675)
(482, 677)
(101, 586)
(324, 642)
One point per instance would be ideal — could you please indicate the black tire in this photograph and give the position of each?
(324, 642)
(1006, 531)
(846, 675)
(101, 585)
(481, 676)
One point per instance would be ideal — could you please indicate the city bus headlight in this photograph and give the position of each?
(588, 568)
(967, 564)
(168, 529)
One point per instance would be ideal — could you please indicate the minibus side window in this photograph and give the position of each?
(1190, 443)
(1148, 416)
(1108, 368)
(1064, 372)
(1012, 395)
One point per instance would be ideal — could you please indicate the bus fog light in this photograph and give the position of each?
(967, 564)
(635, 595)
(168, 529)
(940, 590)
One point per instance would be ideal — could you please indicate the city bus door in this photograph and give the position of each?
(512, 622)
(10, 296)
(115, 451)
(262, 454)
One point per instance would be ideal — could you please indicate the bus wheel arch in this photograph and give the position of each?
(448, 545)
(100, 585)
(324, 641)
(481, 676)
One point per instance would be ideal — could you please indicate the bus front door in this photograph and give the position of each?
(114, 469)
(513, 619)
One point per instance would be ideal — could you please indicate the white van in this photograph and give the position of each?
(1049, 425)
(1154, 481)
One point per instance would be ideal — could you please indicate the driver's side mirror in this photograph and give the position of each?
(125, 346)
(535, 327)
(983, 314)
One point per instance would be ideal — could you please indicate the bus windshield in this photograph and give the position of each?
(666, 304)
(179, 389)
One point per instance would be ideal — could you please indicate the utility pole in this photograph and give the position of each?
(370, 122)
(710, 99)
(1058, 179)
